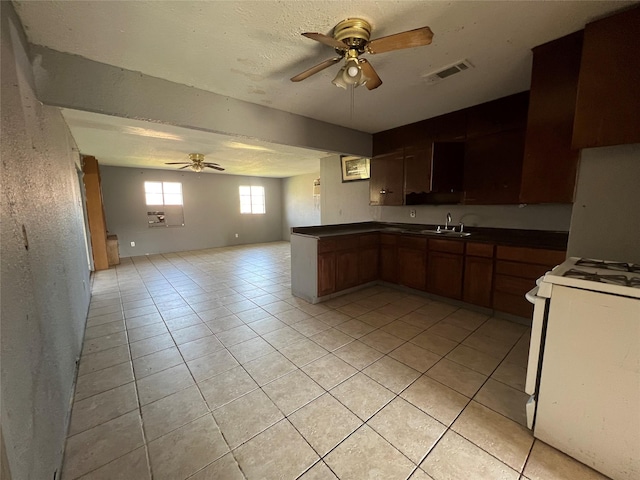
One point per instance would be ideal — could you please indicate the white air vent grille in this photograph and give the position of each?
(448, 71)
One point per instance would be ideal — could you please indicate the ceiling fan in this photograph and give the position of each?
(350, 40)
(197, 163)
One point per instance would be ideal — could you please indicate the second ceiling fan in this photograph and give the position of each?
(351, 40)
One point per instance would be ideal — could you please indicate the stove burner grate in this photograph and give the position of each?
(605, 265)
(610, 279)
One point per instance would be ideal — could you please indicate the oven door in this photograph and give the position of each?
(539, 296)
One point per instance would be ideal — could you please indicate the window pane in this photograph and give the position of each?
(258, 208)
(172, 187)
(257, 191)
(172, 199)
(245, 190)
(154, 198)
(153, 187)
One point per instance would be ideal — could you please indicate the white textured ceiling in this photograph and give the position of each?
(248, 50)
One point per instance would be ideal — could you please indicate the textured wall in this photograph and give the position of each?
(349, 202)
(606, 217)
(45, 289)
(211, 211)
(342, 202)
(299, 207)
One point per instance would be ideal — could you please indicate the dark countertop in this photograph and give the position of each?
(502, 236)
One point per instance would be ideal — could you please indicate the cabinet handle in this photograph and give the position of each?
(384, 191)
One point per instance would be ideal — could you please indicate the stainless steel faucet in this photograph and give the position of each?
(448, 220)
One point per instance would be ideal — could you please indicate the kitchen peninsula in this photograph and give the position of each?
(490, 268)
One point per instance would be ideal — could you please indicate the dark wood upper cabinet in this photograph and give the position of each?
(447, 167)
(493, 168)
(434, 173)
(507, 113)
(387, 179)
(550, 163)
(450, 127)
(608, 103)
(417, 169)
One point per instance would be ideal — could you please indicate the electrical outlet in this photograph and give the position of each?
(412, 213)
(133, 244)
(236, 235)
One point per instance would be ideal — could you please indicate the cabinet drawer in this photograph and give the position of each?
(538, 256)
(418, 243)
(513, 304)
(522, 270)
(513, 285)
(480, 249)
(447, 246)
(326, 245)
(368, 240)
(347, 242)
(388, 239)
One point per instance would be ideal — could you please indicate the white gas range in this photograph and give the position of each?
(583, 373)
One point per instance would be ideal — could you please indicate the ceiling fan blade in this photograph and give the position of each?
(186, 166)
(316, 69)
(211, 163)
(177, 163)
(368, 71)
(412, 38)
(327, 40)
(215, 168)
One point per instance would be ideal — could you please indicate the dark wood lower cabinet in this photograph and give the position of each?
(388, 258)
(444, 275)
(478, 281)
(326, 273)
(478, 273)
(368, 265)
(412, 271)
(346, 269)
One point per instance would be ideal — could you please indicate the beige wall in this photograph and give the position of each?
(299, 207)
(45, 288)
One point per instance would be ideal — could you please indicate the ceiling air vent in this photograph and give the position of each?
(448, 71)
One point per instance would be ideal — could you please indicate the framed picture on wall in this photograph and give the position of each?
(355, 168)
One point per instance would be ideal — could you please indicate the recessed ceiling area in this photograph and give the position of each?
(249, 50)
(124, 142)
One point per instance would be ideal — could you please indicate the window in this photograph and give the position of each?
(167, 198)
(163, 193)
(252, 199)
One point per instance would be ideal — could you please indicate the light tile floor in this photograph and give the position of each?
(202, 365)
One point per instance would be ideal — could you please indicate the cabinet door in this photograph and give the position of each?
(388, 257)
(417, 170)
(608, 104)
(326, 273)
(507, 113)
(412, 268)
(493, 168)
(368, 265)
(478, 281)
(550, 164)
(346, 269)
(447, 167)
(387, 179)
(445, 274)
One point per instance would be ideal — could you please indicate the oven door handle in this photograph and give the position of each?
(532, 294)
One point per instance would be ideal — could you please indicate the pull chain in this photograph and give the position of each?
(353, 88)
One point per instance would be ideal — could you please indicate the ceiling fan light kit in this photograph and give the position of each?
(350, 40)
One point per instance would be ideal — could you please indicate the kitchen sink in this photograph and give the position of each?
(445, 233)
